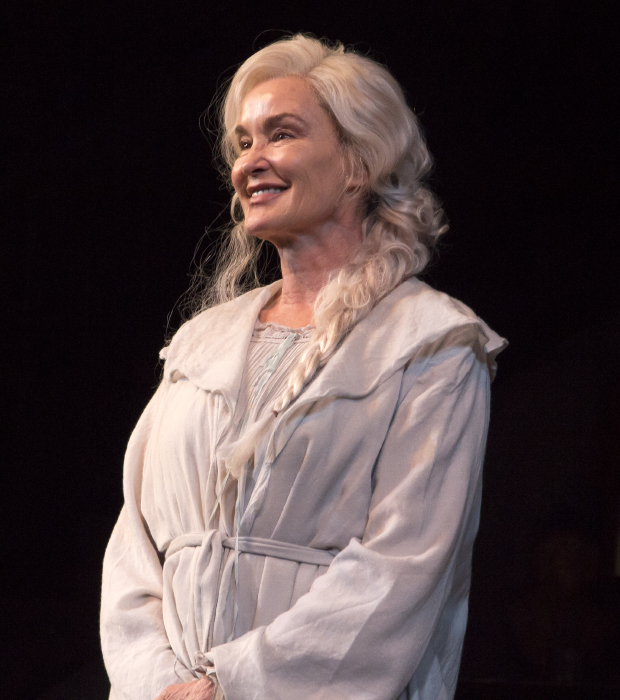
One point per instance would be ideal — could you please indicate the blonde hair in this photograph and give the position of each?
(382, 142)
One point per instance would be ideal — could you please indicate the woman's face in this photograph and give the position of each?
(289, 172)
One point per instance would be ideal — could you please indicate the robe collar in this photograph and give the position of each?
(211, 349)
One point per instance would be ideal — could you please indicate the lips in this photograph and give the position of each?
(267, 190)
(263, 194)
(263, 189)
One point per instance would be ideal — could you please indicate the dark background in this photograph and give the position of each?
(109, 188)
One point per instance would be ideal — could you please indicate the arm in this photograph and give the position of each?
(366, 625)
(136, 650)
(203, 689)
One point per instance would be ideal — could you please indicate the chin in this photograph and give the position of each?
(266, 233)
(263, 234)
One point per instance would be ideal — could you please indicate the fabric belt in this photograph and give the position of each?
(258, 545)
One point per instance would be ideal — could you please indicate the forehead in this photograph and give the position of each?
(290, 94)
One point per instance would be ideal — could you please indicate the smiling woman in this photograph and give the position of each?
(302, 492)
(289, 170)
(291, 180)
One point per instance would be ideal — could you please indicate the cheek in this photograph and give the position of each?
(327, 169)
(324, 182)
(319, 176)
(331, 167)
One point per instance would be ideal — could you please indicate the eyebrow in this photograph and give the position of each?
(273, 121)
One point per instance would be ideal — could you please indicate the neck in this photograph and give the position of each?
(307, 261)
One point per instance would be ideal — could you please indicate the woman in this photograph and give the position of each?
(302, 492)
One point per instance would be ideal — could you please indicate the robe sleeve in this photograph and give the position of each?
(373, 619)
(136, 650)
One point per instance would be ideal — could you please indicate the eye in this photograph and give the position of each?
(244, 145)
(281, 135)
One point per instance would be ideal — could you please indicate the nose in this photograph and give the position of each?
(254, 161)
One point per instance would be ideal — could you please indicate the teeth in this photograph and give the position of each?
(271, 189)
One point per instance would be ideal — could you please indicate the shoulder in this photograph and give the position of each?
(415, 318)
(209, 322)
(429, 308)
(456, 321)
(412, 323)
(212, 345)
(417, 313)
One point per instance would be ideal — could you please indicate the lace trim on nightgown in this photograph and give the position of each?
(274, 331)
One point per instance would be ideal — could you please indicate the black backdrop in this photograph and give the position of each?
(110, 188)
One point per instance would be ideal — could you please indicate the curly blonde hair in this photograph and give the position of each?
(383, 144)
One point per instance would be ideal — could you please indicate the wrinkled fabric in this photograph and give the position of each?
(377, 464)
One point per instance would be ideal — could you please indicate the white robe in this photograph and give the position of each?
(355, 547)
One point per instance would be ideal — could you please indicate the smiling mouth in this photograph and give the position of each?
(268, 190)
